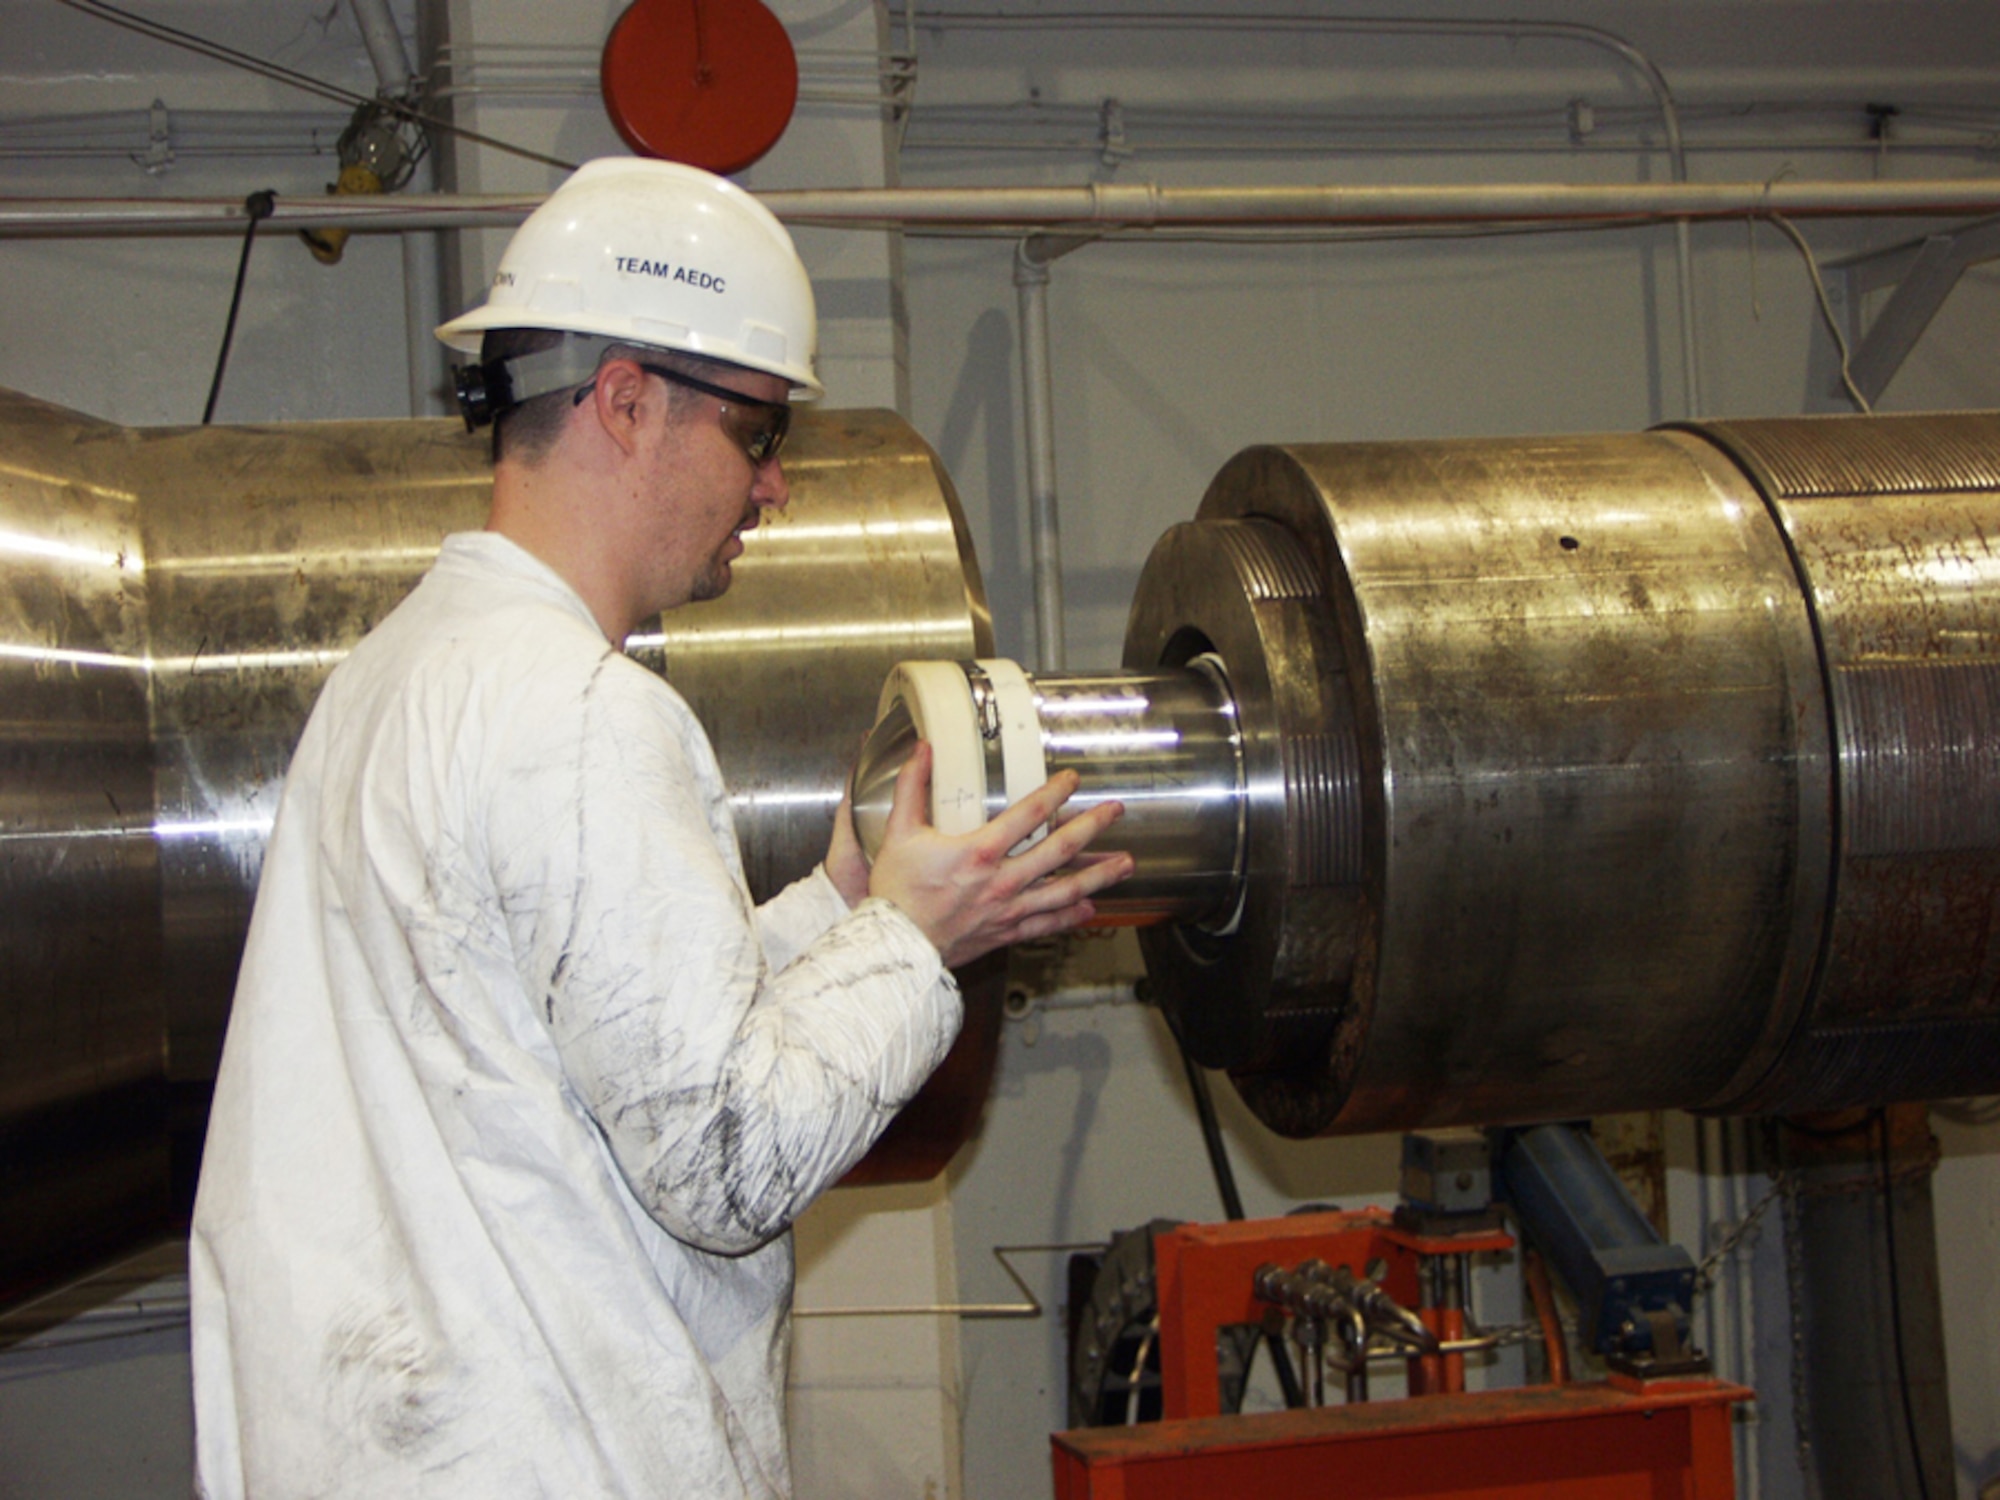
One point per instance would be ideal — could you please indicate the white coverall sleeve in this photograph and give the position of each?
(730, 1094)
(798, 914)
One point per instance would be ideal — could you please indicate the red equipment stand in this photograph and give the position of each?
(1550, 1442)
(1205, 1274)
(1621, 1439)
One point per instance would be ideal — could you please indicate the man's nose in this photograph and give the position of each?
(771, 490)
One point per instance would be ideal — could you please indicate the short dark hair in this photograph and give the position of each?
(528, 432)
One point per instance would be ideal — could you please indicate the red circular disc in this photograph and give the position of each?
(708, 82)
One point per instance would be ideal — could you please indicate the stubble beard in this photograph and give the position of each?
(713, 581)
(712, 584)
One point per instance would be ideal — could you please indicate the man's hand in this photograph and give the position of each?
(967, 893)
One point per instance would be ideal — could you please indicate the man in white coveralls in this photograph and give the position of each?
(521, 1092)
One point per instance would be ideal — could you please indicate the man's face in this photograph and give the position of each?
(711, 491)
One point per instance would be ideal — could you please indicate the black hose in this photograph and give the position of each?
(1211, 1137)
(1896, 1309)
(260, 205)
(1232, 1205)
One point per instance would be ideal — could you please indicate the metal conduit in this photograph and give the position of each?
(1031, 289)
(385, 45)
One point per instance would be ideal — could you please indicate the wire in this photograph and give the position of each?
(173, 36)
(258, 207)
(1896, 1309)
(1211, 1137)
(1791, 232)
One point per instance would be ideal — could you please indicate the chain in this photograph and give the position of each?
(1743, 1229)
(1790, 1184)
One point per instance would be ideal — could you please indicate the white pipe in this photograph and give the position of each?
(421, 316)
(385, 46)
(1095, 206)
(1031, 284)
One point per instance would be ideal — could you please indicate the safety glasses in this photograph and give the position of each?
(756, 426)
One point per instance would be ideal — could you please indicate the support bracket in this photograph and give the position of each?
(1922, 273)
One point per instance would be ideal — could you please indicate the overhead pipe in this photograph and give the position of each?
(1095, 205)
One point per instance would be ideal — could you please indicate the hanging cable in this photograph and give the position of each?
(173, 36)
(1791, 232)
(258, 206)
(1896, 1307)
(1232, 1205)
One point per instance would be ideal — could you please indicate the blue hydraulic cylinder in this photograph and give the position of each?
(1574, 1208)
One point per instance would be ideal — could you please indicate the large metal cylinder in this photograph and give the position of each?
(171, 600)
(1607, 772)
(1543, 778)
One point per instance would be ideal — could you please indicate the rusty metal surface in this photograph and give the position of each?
(1672, 762)
(1895, 527)
(1593, 791)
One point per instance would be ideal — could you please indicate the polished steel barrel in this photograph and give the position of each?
(171, 601)
(1599, 773)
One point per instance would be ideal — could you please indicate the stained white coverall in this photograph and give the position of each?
(520, 1090)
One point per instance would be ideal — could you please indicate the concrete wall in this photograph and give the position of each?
(1169, 355)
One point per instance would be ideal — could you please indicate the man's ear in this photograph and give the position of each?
(621, 401)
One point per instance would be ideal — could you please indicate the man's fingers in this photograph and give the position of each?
(1032, 811)
(1064, 844)
(1049, 923)
(1078, 883)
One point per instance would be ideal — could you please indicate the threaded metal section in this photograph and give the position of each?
(1323, 796)
(1847, 1066)
(1919, 755)
(1268, 560)
(1322, 762)
(1799, 459)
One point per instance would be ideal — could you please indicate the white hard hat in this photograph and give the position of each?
(656, 253)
